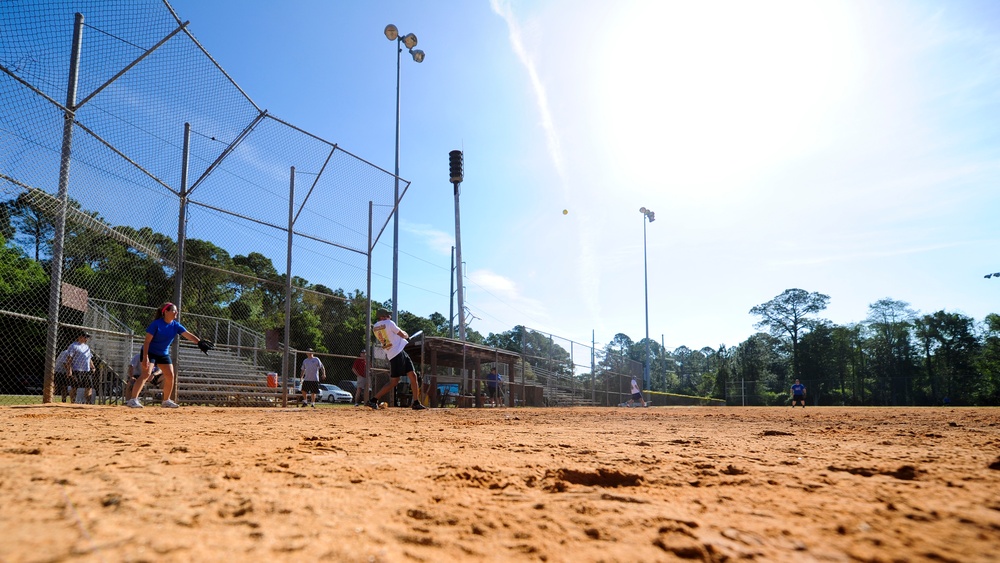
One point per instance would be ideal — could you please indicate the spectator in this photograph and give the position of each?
(80, 368)
(493, 386)
(360, 368)
(312, 372)
(63, 385)
(135, 372)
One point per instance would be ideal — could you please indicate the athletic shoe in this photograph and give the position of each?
(313, 405)
(417, 406)
(373, 404)
(133, 404)
(168, 404)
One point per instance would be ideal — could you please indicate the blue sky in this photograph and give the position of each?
(849, 148)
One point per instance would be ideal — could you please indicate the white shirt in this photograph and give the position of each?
(389, 340)
(311, 367)
(635, 387)
(81, 355)
(61, 361)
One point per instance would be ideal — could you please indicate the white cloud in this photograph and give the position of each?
(503, 9)
(435, 239)
(485, 288)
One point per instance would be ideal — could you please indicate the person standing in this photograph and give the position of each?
(798, 394)
(360, 368)
(392, 340)
(135, 372)
(636, 394)
(312, 371)
(155, 352)
(493, 386)
(64, 387)
(80, 367)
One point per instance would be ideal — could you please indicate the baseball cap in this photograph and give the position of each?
(85, 334)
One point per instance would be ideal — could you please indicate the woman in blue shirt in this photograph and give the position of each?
(155, 351)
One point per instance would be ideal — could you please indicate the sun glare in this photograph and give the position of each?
(696, 97)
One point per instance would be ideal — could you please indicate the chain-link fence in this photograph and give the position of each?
(134, 171)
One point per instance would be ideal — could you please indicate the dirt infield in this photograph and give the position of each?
(343, 484)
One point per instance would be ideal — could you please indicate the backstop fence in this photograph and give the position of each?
(135, 171)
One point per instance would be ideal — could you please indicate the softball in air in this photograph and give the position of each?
(565, 211)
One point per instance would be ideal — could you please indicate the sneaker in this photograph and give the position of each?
(373, 404)
(133, 404)
(168, 404)
(417, 406)
(313, 405)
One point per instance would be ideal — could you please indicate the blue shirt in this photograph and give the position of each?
(163, 335)
(798, 389)
(492, 379)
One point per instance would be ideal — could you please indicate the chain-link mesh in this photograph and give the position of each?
(168, 154)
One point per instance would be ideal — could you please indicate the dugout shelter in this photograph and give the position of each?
(432, 353)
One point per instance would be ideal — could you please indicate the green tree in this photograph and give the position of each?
(888, 324)
(788, 316)
(988, 362)
(950, 348)
(23, 288)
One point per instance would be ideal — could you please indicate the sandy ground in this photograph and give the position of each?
(85, 483)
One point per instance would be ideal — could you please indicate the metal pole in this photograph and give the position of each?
(458, 267)
(593, 366)
(451, 298)
(645, 276)
(368, 312)
(395, 204)
(288, 290)
(451, 306)
(181, 238)
(55, 283)
(663, 352)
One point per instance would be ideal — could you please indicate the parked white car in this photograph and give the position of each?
(330, 393)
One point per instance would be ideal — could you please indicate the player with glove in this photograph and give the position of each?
(155, 351)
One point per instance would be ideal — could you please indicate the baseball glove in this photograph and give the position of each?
(206, 345)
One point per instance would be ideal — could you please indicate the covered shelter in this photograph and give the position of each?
(430, 354)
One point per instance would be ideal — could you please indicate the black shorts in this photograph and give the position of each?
(797, 398)
(62, 381)
(310, 387)
(159, 359)
(636, 396)
(400, 365)
(84, 379)
(491, 390)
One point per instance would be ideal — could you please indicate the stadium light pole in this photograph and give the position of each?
(410, 41)
(456, 173)
(648, 217)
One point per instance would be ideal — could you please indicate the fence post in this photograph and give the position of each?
(55, 283)
(181, 238)
(288, 289)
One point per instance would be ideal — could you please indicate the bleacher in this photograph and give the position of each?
(223, 378)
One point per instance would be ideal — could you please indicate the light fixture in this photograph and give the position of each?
(410, 40)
